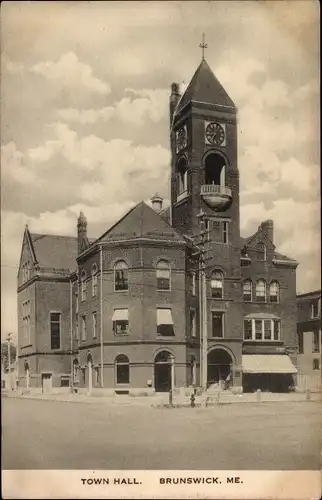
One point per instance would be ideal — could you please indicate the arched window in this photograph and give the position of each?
(182, 183)
(247, 291)
(121, 276)
(261, 252)
(163, 275)
(94, 280)
(261, 291)
(122, 367)
(217, 285)
(83, 286)
(274, 292)
(215, 169)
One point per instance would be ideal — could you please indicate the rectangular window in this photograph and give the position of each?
(94, 285)
(248, 329)
(83, 328)
(163, 279)
(225, 232)
(121, 321)
(301, 343)
(64, 382)
(316, 341)
(208, 226)
(217, 324)
(26, 322)
(94, 324)
(121, 280)
(258, 329)
(247, 291)
(277, 329)
(267, 329)
(193, 284)
(77, 327)
(314, 309)
(316, 364)
(55, 330)
(165, 322)
(84, 290)
(193, 322)
(261, 291)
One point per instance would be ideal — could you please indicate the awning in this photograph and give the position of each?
(267, 363)
(261, 316)
(120, 315)
(164, 317)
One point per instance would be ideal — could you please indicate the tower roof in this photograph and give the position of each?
(204, 87)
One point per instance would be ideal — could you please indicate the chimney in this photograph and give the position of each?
(81, 231)
(157, 201)
(268, 229)
(174, 99)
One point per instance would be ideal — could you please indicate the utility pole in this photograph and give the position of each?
(9, 359)
(203, 303)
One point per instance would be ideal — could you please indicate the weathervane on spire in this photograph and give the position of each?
(203, 46)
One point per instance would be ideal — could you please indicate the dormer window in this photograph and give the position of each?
(261, 252)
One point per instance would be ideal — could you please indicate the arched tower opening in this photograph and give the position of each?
(215, 167)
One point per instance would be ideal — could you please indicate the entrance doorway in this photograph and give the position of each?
(219, 367)
(46, 383)
(27, 374)
(90, 372)
(162, 372)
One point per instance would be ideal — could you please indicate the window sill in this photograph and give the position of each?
(263, 341)
(212, 338)
(121, 334)
(159, 290)
(25, 346)
(121, 291)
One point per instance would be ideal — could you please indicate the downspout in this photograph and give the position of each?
(101, 317)
(71, 333)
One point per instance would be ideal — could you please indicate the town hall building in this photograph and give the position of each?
(124, 312)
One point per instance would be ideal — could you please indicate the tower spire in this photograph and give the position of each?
(203, 46)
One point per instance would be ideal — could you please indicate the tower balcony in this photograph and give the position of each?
(217, 197)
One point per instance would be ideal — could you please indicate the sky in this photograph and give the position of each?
(85, 124)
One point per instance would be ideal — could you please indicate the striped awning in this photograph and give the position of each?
(120, 315)
(164, 317)
(267, 363)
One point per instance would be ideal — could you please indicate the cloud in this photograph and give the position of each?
(14, 166)
(147, 105)
(71, 73)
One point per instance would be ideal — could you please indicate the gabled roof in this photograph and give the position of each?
(52, 251)
(141, 222)
(204, 87)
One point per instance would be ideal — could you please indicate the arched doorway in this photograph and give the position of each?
(163, 371)
(193, 371)
(27, 374)
(219, 366)
(75, 371)
(90, 371)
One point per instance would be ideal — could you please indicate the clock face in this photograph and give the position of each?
(215, 134)
(181, 138)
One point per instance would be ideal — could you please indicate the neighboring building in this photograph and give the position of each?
(309, 340)
(131, 297)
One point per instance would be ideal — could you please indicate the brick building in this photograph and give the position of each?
(122, 312)
(309, 340)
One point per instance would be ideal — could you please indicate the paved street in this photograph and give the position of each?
(59, 435)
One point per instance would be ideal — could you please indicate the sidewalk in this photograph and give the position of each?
(159, 400)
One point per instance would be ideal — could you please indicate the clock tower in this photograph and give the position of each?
(205, 179)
